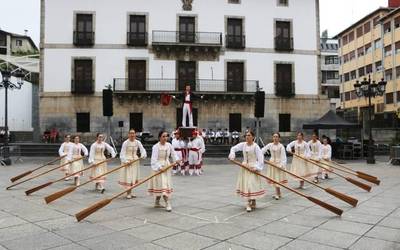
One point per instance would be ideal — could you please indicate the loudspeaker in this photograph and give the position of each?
(260, 103)
(121, 124)
(107, 102)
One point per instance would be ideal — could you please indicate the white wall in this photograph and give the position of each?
(111, 27)
(19, 107)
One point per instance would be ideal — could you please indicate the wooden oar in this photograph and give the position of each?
(357, 172)
(367, 178)
(335, 193)
(45, 172)
(35, 189)
(15, 178)
(68, 190)
(351, 180)
(98, 205)
(325, 205)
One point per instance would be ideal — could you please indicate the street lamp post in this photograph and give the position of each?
(370, 90)
(7, 84)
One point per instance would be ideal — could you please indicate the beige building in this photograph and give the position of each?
(15, 44)
(371, 48)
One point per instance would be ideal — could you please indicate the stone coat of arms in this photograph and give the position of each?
(187, 5)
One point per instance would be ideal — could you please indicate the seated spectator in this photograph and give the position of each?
(219, 136)
(235, 137)
(226, 136)
(53, 135)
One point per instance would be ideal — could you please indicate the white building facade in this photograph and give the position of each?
(143, 48)
(330, 82)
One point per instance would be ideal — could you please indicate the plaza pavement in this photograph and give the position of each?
(206, 215)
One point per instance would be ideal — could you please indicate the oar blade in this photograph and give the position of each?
(35, 189)
(343, 197)
(365, 174)
(369, 179)
(359, 184)
(59, 194)
(88, 211)
(325, 205)
(15, 178)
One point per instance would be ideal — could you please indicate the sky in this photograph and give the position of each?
(335, 15)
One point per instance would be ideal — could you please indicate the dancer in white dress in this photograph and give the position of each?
(63, 150)
(315, 154)
(326, 155)
(76, 151)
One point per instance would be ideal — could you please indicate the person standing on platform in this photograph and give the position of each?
(161, 185)
(96, 155)
(299, 166)
(278, 158)
(75, 152)
(63, 150)
(130, 175)
(187, 108)
(315, 154)
(249, 185)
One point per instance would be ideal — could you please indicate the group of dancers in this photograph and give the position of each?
(187, 156)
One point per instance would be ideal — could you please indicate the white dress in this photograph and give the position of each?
(326, 155)
(161, 184)
(315, 154)
(97, 155)
(249, 185)
(75, 152)
(299, 166)
(63, 150)
(129, 175)
(278, 158)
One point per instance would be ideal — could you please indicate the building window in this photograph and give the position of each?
(351, 36)
(187, 74)
(368, 48)
(136, 121)
(235, 38)
(367, 27)
(284, 122)
(388, 74)
(82, 122)
(137, 75)
(235, 122)
(398, 72)
(352, 55)
(378, 66)
(187, 29)
(360, 52)
(283, 2)
(397, 47)
(331, 60)
(375, 21)
(388, 50)
(137, 35)
(83, 34)
(344, 40)
(346, 58)
(18, 43)
(3, 39)
(283, 39)
(347, 77)
(359, 31)
(398, 96)
(83, 76)
(235, 76)
(284, 85)
(353, 75)
(234, 1)
(347, 96)
(329, 75)
(389, 98)
(368, 69)
(386, 27)
(361, 72)
(397, 22)
(377, 44)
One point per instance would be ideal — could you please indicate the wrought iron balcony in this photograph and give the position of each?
(283, 43)
(284, 89)
(83, 38)
(187, 38)
(82, 86)
(235, 41)
(205, 86)
(137, 39)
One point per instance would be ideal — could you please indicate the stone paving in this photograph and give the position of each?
(206, 215)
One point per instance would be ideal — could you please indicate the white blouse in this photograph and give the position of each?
(326, 151)
(243, 146)
(276, 149)
(302, 147)
(126, 143)
(315, 149)
(93, 147)
(67, 146)
(155, 163)
(77, 149)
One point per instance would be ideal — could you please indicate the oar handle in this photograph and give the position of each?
(295, 175)
(50, 162)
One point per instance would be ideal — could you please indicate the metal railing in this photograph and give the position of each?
(180, 37)
(83, 38)
(235, 41)
(82, 86)
(284, 89)
(137, 38)
(202, 85)
(284, 43)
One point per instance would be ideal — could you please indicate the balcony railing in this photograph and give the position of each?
(193, 38)
(172, 85)
(284, 89)
(284, 43)
(82, 86)
(235, 41)
(137, 39)
(83, 38)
